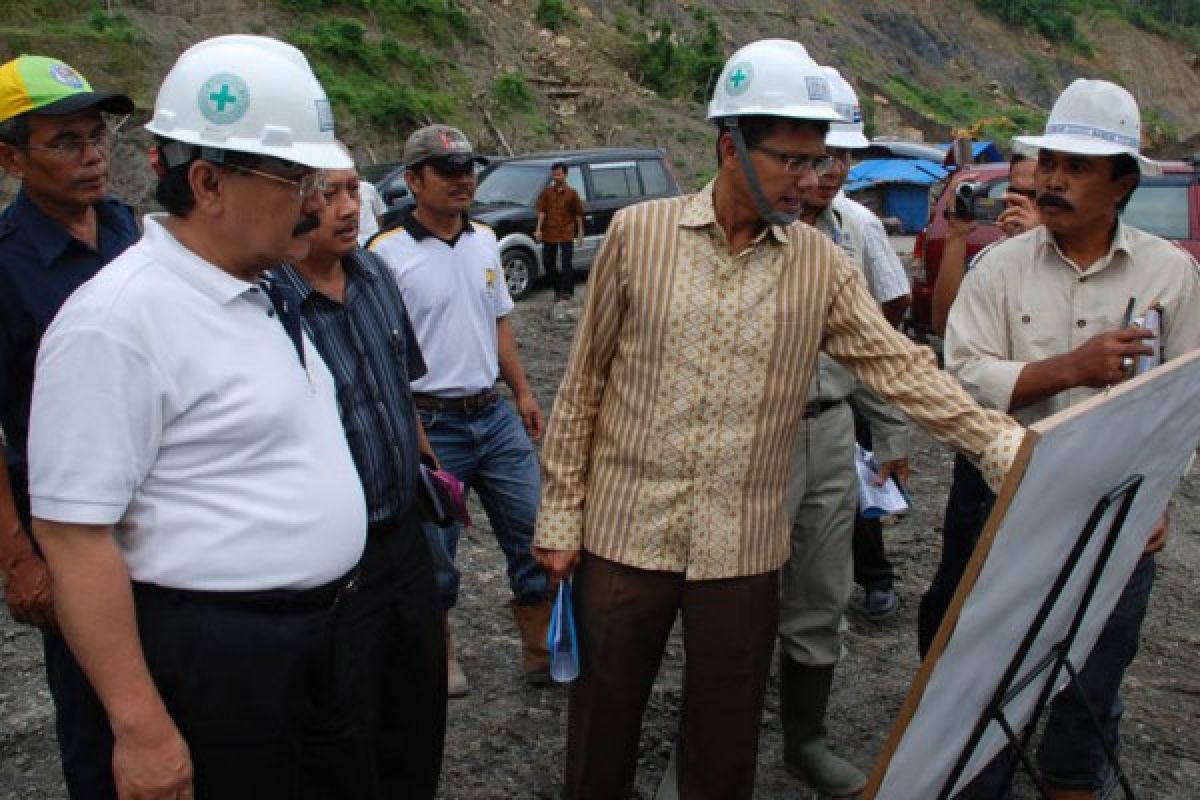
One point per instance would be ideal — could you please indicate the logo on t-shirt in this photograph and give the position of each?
(489, 282)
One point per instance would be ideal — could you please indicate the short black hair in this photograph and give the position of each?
(174, 190)
(15, 131)
(757, 127)
(558, 165)
(1122, 165)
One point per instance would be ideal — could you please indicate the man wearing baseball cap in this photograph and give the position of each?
(449, 271)
(1042, 322)
(63, 226)
(190, 482)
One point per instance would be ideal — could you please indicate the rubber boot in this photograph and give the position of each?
(533, 623)
(456, 679)
(803, 699)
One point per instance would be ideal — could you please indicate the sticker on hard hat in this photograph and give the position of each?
(818, 89)
(740, 78)
(66, 76)
(324, 114)
(223, 98)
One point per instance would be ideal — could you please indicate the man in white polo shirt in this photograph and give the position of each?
(449, 272)
(190, 483)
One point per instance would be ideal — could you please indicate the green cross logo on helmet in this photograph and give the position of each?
(739, 79)
(223, 98)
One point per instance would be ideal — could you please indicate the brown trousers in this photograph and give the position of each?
(624, 616)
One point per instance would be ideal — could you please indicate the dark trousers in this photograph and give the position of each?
(85, 740)
(1069, 755)
(261, 695)
(394, 623)
(624, 616)
(80, 721)
(872, 569)
(562, 274)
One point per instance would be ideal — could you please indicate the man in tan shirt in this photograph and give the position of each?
(667, 453)
(1042, 322)
(559, 225)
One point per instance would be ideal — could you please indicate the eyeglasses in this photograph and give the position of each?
(308, 184)
(798, 163)
(72, 148)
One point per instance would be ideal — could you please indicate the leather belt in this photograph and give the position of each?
(819, 407)
(471, 404)
(270, 601)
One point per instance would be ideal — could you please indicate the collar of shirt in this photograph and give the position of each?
(203, 276)
(48, 236)
(418, 231)
(1119, 244)
(355, 265)
(698, 212)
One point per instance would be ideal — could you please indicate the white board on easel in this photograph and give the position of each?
(1149, 426)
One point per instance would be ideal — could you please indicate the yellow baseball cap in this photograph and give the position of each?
(45, 85)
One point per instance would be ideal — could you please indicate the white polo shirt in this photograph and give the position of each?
(454, 293)
(170, 401)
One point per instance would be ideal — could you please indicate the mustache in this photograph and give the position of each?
(310, 223)
(1054, 201)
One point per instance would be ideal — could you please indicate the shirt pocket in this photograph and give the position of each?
(1037, 334)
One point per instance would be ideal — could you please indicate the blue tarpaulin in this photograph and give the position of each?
(904, 183)
(981, 152)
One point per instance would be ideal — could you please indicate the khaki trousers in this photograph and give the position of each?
(624, 616)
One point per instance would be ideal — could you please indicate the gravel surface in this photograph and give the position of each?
(507, 741)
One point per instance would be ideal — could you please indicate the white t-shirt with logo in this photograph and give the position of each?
(454, 295)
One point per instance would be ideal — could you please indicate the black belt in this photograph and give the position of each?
(471, 404)
(277, 601)
(819, 407)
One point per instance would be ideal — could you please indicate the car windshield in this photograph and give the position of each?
(512, 184)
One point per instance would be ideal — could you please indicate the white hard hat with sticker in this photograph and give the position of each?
(773, 77)
(250, 94)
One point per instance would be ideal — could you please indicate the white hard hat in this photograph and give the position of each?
(1092, 118)
(772, 77)
(250, 94)
(845, 102)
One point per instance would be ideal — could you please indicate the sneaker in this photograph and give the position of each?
(881, 603)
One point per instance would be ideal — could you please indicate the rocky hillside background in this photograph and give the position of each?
(520, 75)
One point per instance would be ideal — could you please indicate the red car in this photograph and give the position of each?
(1166, 205)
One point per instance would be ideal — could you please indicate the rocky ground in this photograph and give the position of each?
(507, 741)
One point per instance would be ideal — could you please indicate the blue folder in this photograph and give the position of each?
(561, 640)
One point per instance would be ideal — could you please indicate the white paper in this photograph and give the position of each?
(876, 501)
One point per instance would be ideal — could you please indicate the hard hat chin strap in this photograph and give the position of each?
(772, 216)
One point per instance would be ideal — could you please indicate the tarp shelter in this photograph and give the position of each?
(981, 153)
(904, 185)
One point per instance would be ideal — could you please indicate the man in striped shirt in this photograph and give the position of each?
(667, 453)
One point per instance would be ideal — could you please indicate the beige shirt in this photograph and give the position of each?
(669, 443)
(1024, 301)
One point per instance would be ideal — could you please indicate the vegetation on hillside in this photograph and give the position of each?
(1057, 19)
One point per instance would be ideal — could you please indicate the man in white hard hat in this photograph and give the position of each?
(666, 457)
(1043, 321)
(190, 483)
(823, 484)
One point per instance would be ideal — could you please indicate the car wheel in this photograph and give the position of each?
(520, 271)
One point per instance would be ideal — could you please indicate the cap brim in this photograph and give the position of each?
(109, 102)
(329, 155)
(849, 140)
(1082, 146)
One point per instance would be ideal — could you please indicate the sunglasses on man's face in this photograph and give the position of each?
(452, 165)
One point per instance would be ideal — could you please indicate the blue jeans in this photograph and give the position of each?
(1069, 756)
(491, 453)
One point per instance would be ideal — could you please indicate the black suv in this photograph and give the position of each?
(607, 179)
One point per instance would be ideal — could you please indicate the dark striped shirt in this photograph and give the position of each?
(368, 344)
